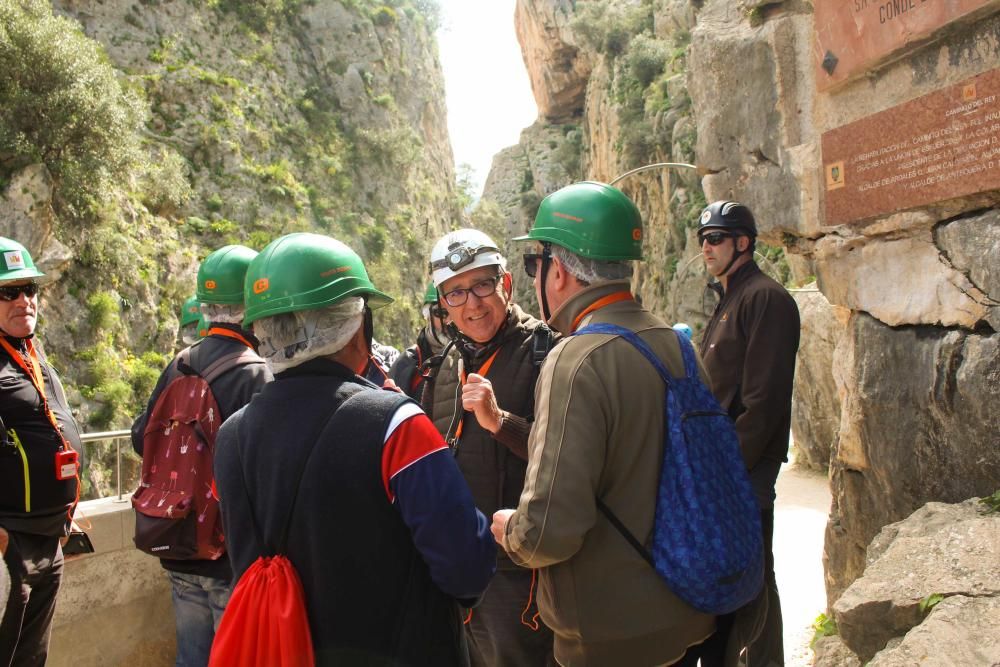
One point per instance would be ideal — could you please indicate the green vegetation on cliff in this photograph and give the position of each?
(172, 127)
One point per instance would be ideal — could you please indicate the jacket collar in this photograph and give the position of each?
(736, 278)
(477, 352)
(562, 320)
(246, 333)
(324, 366)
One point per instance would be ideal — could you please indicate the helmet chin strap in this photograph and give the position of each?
(546, 259)
(736, 255)
(369, 326)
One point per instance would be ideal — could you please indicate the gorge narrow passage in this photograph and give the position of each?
(803, 504)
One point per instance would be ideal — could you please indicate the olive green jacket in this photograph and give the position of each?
(598, 432)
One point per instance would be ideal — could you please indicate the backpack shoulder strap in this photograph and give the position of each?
(690, 358)
(633, 338)
(244, 357)
(639, 344)
(541, 344)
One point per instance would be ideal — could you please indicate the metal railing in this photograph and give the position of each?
(115, 436)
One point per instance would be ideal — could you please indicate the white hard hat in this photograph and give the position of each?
(463, 250)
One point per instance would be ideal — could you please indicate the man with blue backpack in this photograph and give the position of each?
(606, 511)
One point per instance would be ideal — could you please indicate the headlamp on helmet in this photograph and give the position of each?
(463, 250)
(460, 256)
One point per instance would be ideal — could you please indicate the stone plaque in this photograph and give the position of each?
(940, 146)
(854, 35)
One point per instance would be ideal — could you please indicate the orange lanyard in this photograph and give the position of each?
(600, 303)
(34, 373)
(228, 333)
(483, 370)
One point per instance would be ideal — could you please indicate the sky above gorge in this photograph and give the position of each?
(486, 85)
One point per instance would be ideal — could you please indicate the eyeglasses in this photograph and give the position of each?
(12, 292)
(713, 238)
(482, 289)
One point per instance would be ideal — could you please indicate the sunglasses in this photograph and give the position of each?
(530, 263)
(714, 238)
(12, 292)
(482, 289)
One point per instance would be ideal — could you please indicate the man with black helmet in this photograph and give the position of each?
(484, 405)
(748, 348)
(39, 464)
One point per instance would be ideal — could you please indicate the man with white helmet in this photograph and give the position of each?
(484, 406)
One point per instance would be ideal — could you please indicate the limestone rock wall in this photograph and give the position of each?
(914, 367)
(897, 375)
(583, 72)
(269, 118)
(816, 406)
(557, 67)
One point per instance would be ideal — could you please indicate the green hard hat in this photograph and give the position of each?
(220, 276)
(16, 262)
(431, 295)
(590, 219)
(305, 271)
(190, 311)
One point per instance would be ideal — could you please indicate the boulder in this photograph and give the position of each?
(943, 549)
(833, 652)
(900, 277)
(957, 632)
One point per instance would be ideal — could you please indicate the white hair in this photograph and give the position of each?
(290, 339)
(225, 313)
(591, 271)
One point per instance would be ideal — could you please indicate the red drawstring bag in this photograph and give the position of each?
(265, 622)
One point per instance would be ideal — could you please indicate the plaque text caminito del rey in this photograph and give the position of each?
(940, 146)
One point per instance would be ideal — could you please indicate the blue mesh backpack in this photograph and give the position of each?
(706, 541)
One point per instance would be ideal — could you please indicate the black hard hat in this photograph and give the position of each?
(728, 215)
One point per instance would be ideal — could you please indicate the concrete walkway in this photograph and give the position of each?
(803, 504)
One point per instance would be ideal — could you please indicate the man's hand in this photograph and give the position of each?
(499, 525)
(478, 398)
(391, 385)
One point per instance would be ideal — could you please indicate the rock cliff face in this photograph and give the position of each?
(327, 116)
(898, 372)
(260, 119)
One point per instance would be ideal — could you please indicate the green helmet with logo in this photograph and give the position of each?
(592, 220)
(15, 262)
(190, 311)
(431, 295)
(305, 271)
(220, 276)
